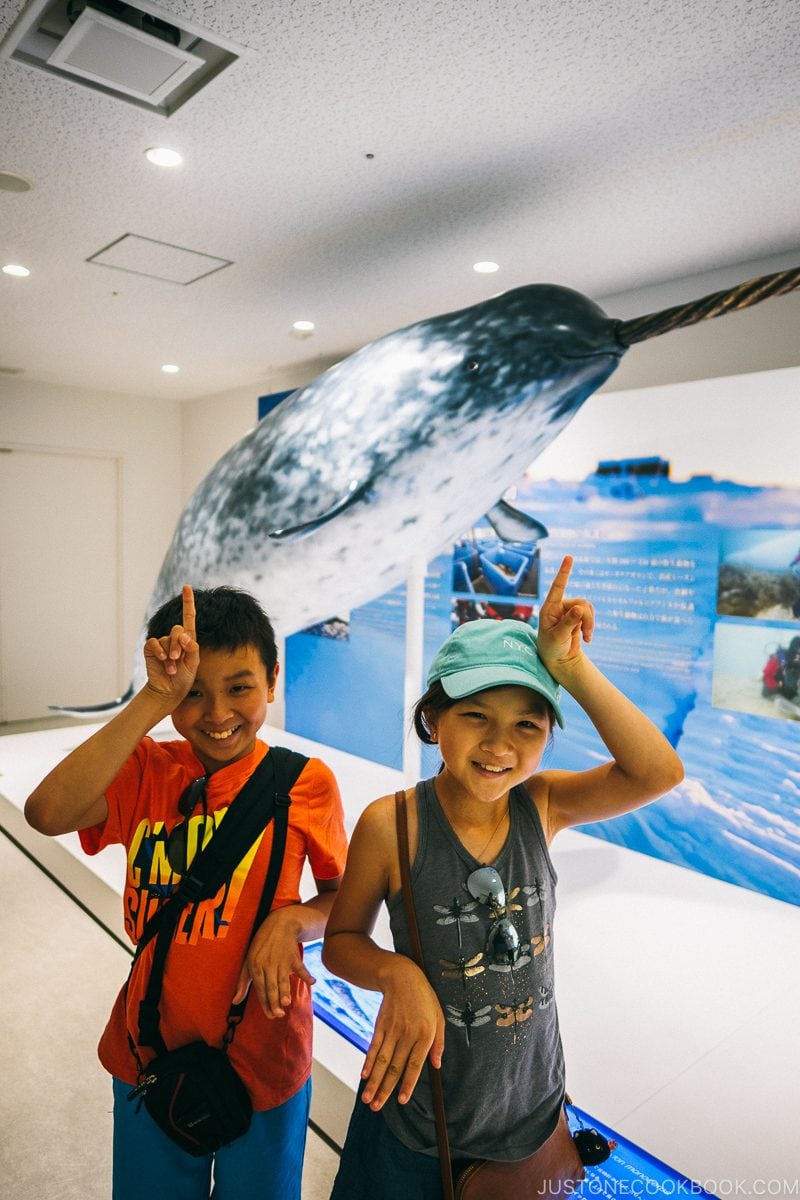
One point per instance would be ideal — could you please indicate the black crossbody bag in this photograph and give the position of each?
(193, 1093)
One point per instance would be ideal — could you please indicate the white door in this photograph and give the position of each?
(59, 581)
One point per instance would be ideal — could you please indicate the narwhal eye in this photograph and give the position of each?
(473, 364)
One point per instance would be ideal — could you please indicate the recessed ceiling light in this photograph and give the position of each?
(485, 268)
(170, 369)
(15, 269)
(302, 330)
(162, 157)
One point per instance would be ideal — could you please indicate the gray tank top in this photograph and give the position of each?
(503, 1066)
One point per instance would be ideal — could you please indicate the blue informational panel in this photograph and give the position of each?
(267, 403)
(360, 652)
(696, 587)
(362, 656)
(630, 1171)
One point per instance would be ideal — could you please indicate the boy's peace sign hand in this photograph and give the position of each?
(172, 661)
(563, 624)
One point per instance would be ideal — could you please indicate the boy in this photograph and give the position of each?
(213, 671)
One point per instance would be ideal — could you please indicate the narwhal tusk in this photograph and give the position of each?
(741, 296)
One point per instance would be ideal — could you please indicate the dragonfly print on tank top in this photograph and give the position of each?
(500, 970)
(489, 959)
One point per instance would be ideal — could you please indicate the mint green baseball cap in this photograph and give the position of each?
(486, 653)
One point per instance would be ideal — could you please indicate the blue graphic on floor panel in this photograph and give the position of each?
(351, 1012)
(630, 1171)
(348, 1009)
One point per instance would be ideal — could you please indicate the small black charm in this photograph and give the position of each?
(592, 1147)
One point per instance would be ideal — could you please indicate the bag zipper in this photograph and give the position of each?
(467, 1174)
(142, 1087)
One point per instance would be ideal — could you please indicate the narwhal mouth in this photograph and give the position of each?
(612, 352)
(639, 329)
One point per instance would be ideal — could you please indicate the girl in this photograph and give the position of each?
(484, 893)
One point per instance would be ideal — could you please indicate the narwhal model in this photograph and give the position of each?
(389, 456)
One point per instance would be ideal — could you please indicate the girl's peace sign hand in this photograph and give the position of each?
(563, 624)
(172, 661)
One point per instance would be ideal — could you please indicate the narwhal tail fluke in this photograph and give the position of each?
(106, 709)
(742, 296)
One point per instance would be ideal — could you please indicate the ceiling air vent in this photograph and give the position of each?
(138, 53)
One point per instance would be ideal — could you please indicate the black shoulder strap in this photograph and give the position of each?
(288, 767)
(270, 783)
(242, 824)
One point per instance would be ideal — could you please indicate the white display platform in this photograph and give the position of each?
(677, 993)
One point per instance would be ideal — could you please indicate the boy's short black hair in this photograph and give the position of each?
(227, 619)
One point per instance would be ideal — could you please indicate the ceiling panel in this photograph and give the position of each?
(356, 160)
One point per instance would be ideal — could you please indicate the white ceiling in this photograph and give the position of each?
(606, 145)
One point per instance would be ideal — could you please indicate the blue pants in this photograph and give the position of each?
(375, 1165)
(266, 1163)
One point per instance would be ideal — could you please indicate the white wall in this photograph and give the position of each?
(761, 338)
(145, 434)
(741, 427)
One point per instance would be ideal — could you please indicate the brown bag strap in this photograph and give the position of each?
(434, 1073)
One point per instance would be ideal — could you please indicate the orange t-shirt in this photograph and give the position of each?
(273, 1057)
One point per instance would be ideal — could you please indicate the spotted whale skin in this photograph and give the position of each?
(388, 456)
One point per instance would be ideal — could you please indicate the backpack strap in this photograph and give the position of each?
(288, 767)
(246, 819)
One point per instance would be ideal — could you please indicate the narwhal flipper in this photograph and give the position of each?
(513, 525)
(357, 491)
(93, 710)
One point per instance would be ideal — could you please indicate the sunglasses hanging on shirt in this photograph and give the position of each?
(177, 847)
(502, 942)
(486, 886)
